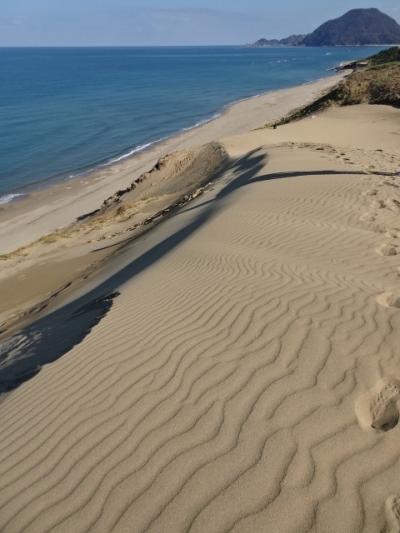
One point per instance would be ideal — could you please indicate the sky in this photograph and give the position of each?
(165, 22)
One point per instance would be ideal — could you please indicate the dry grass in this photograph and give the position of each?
(374, 81)
(373, 85)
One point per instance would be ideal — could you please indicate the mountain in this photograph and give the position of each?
(293, 40)
(356, 27)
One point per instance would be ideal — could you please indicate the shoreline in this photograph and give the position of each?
(49, 239)
(117, 174)
(51, 181)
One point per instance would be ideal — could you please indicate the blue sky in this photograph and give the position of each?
(169, 22)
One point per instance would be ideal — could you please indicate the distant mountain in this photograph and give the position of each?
(356, 27)
(293, 40)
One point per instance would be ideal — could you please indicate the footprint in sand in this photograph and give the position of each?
(387, 250)
(368, 217)
(378, 204)
(393, 205)
(392, 233)
(389, 299)
(392, 511)
(377, 409)
(370, 192)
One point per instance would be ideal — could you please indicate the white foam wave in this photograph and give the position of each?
(142, 147)
(202, 122)
(7, 198)
(135, 150)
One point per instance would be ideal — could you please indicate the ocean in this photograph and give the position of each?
(67, 110)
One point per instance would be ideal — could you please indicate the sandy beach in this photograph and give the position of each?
(59, 205)
(36, 263)
(215, 348)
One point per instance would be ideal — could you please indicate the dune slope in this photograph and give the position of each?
(247, 379)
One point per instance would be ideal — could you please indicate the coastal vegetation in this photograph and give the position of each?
(375, 80)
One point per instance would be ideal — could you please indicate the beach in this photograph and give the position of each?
(213, 346)
(60, 204)
(24, 222)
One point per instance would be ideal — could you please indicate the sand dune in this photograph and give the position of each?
(43, 251)
(35, 276)
(245, 377)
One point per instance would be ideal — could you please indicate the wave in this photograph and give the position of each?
(204, 121)
(135, 150)
(142, 147)
(114, 160)
(7, 198)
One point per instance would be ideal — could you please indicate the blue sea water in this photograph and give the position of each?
(64, 110)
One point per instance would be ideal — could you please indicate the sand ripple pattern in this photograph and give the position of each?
(218, 393)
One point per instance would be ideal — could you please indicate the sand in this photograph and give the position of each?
(237, 367)
(24, 221)
(44, 254)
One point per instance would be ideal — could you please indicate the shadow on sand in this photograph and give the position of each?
(50, 337)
